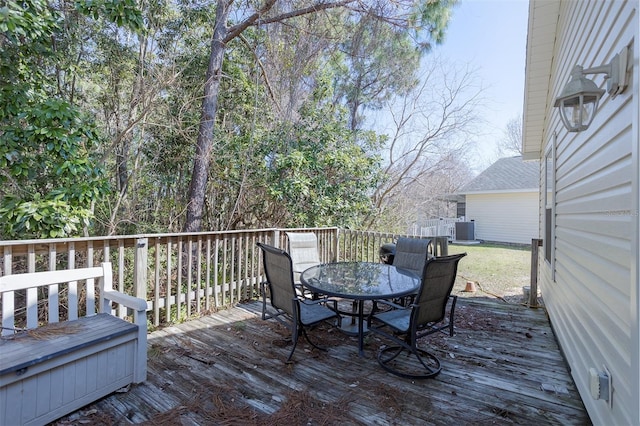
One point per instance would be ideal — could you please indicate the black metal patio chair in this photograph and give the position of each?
(411, 254)
(426, 315)
(291, 309)
(303, 249)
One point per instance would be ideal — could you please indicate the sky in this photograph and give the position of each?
(491, 36)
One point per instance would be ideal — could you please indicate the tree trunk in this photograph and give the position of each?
(198, 186)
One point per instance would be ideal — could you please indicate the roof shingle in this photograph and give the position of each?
(511, 173)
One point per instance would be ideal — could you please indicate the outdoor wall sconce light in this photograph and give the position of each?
(579, 99)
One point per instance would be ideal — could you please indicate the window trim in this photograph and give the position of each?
(549, 205)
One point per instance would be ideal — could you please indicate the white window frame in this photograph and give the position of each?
(549, 205)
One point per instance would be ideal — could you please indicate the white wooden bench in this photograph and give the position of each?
(50, 370)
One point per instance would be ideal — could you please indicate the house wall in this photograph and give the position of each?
(504, 217)
(592, 292)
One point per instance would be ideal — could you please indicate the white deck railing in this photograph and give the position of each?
(445, 226)
(182, 274)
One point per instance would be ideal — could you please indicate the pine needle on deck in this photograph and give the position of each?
(503, 366)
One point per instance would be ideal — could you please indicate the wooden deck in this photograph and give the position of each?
(503, 366)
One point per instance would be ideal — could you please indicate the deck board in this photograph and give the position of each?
(228, 368)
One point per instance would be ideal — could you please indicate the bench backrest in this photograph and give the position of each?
(79, 290)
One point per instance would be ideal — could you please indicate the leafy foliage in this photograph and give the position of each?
(49, 178)
(321, 174)
(124, 13)
(101, 103)
(42, 218)
(381, 63)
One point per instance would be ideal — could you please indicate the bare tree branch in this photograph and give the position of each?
(262, 71)
(431, 126)
(511, 144)
(256, 20)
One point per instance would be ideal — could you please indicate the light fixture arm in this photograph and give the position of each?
(615, 72)
(602, 69)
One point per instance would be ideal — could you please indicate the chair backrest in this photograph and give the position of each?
(303, 249)
(279, 271)
(411, 254)
(437, 283)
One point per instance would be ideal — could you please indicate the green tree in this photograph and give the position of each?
(127, 78)
(319, 173)
(379, 63)
(133, 165)
(49, 178)
(424, 19)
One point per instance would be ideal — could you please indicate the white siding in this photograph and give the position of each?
(504, 217)
(593, 302)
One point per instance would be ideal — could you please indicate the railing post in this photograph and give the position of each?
(276, 238)
(335, 245)
(140, 268)
(533, 289)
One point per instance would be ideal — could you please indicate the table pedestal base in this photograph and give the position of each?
(350, 327)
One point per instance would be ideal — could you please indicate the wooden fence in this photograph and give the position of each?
(180, 275)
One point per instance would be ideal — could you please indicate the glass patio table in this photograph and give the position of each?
(360, 281)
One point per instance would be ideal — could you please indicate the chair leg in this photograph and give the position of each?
(294, 338)
(303, 330)
(451, 314)
(306, 336)
(428, 363)
(263, 290)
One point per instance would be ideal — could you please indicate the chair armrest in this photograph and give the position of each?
(301, 287)
(382, 302)
(317, 301)
(325, 300)
(130, 302)
(139, 307)
(305, 292)
(390, 303)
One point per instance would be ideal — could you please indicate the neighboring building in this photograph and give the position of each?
(502, 201)
(589, 208)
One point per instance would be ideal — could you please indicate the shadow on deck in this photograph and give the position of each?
(502, 366)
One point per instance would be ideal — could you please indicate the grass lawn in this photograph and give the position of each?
(497, 270)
